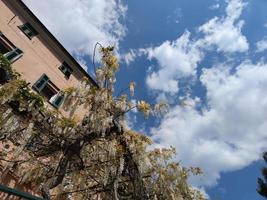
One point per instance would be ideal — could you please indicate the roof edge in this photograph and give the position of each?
(65, 51)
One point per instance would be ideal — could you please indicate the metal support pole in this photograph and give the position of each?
(17, 193)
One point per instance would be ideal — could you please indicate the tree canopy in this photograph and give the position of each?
(96, 157)
(262, 182)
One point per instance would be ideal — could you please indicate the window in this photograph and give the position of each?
(4, 47)
(28, 30)
(47, 89)
(14, 54)
(57, 100)
(40, 84)
(66, 70)
(8, 49)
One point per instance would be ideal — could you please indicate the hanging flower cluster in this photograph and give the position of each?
(93, 158)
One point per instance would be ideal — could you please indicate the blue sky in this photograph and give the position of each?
(207, 58)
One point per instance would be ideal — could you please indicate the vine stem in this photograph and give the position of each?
(94, 55)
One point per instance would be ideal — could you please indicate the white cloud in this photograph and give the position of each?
(215, 6)
(231, 133)
(80, 24)
(261, 45)
(130, 56)
(176, 59)
(225, 32)
(180, 58)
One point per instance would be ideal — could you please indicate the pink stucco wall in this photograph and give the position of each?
(40, 54)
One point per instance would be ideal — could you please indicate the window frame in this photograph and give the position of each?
(66, 70)
(18, 53)
(39, 89)
(28, 30)
(55, 97)
(12, 49)
(54, 100)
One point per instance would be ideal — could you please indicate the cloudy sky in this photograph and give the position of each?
(207, 58)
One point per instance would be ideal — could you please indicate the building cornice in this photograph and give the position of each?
(22, 5)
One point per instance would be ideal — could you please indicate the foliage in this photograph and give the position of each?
(5, 64)
(262, 183)
(97, 157)
(19, 91)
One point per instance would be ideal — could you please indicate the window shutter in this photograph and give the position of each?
(66, 70)
(28, 30)
(58, 100)
(40, 84)
(13, 55)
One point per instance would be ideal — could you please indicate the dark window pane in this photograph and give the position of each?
(45, 77)
(62, 67)
(66, 70)
(32, 30)
(18, 51)
(8, 49)
(48, 92)
(13, 55)
(58, 101)
(67, 74)
(10, 56)
(28, 30)
(40, 84)
(3, 47)
(24, 28)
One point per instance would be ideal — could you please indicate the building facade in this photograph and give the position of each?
(40, 60)
(36, 54)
